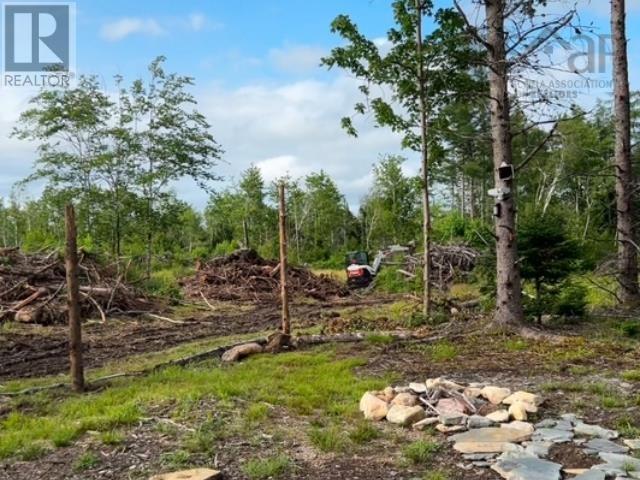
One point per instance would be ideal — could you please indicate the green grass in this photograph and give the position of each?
(264, 468)
(304, 382)
(515, 344)
(421, 452)
(631, 375)
(111, 437)
(86, 461)
(437, 475)
(627, 427)
(176, 460)
(329, 439)
(364, 432)
(256, 413)
(378, 339)
(203, 439)
(443, 351)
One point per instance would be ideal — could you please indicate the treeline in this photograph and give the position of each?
(571, 174)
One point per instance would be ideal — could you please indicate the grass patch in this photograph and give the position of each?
(421, 452)
(111, 437)
(437, 475)
(304, 382)
(263, 468)
(329, 439)
(631, 375)
(442, 351)
(515, 345)
(256, 413)
(627, 427)
(205, 436)
(176, 460)
(364, 432)
(378, 339)
(86, 461)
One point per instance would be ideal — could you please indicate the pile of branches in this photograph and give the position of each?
(33, 289)
(245, 275)
(448, 263)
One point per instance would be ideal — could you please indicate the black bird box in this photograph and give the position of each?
(505, 172)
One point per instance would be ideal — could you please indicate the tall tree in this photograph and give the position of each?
(173, 139)
(629, 293)
(507, 53)
(422, 72)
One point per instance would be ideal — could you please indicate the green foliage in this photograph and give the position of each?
(630, 328)
(264, 468)
(164, 283)
(86, 461)
(328, 439)
(421, 452)
(304, 382)
(571, 301)
(364, 432)
(549, 257)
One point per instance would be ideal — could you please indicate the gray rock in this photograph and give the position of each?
(538, 449)
(591, 475)
(624, 463)
(595, 431)
(602, 445)
(546, 423)
(554, 435)
(522, 466)
(450, 419)
(633, 444)
(482, 464)
(564, 425)
(478, 421)
(570, 417)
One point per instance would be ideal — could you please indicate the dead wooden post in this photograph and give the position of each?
(286, 322)
(73, 301)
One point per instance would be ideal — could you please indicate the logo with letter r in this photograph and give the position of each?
(37, 37)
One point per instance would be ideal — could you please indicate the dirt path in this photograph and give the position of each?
(33, 351)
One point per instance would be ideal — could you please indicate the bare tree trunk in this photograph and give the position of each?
(286, 321)
(508, 288)
(73, 301)
(426, 213)
(627, 255)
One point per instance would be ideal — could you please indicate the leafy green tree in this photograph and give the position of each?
(422, 73)
(549, 254)
(172, 140)
(389, 211)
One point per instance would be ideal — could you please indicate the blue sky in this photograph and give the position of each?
(258, 80)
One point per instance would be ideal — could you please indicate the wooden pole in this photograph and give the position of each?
(286, 321)
(73, 301)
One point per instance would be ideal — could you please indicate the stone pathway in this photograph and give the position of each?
(502, 439)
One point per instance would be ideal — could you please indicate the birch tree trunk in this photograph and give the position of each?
(426, 210)
(627, 255)
(508, 294)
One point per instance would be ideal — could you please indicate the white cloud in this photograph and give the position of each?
(153, 27)
(295, 128)
(297, 58)
(197, 21)
(276, 167)
(124, 27)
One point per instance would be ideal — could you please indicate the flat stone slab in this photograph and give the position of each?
(554, 435)
(591, 475)
(193, 474)
(619, 462)
(488, 440)
(538, 449)
(633, 444)
(522, 466)
(595, 431)
(602, 445)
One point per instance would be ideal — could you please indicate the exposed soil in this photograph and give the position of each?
(33, 351)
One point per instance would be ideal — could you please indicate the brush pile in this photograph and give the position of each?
(245, 275)
(33, 289)
(449, 263)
